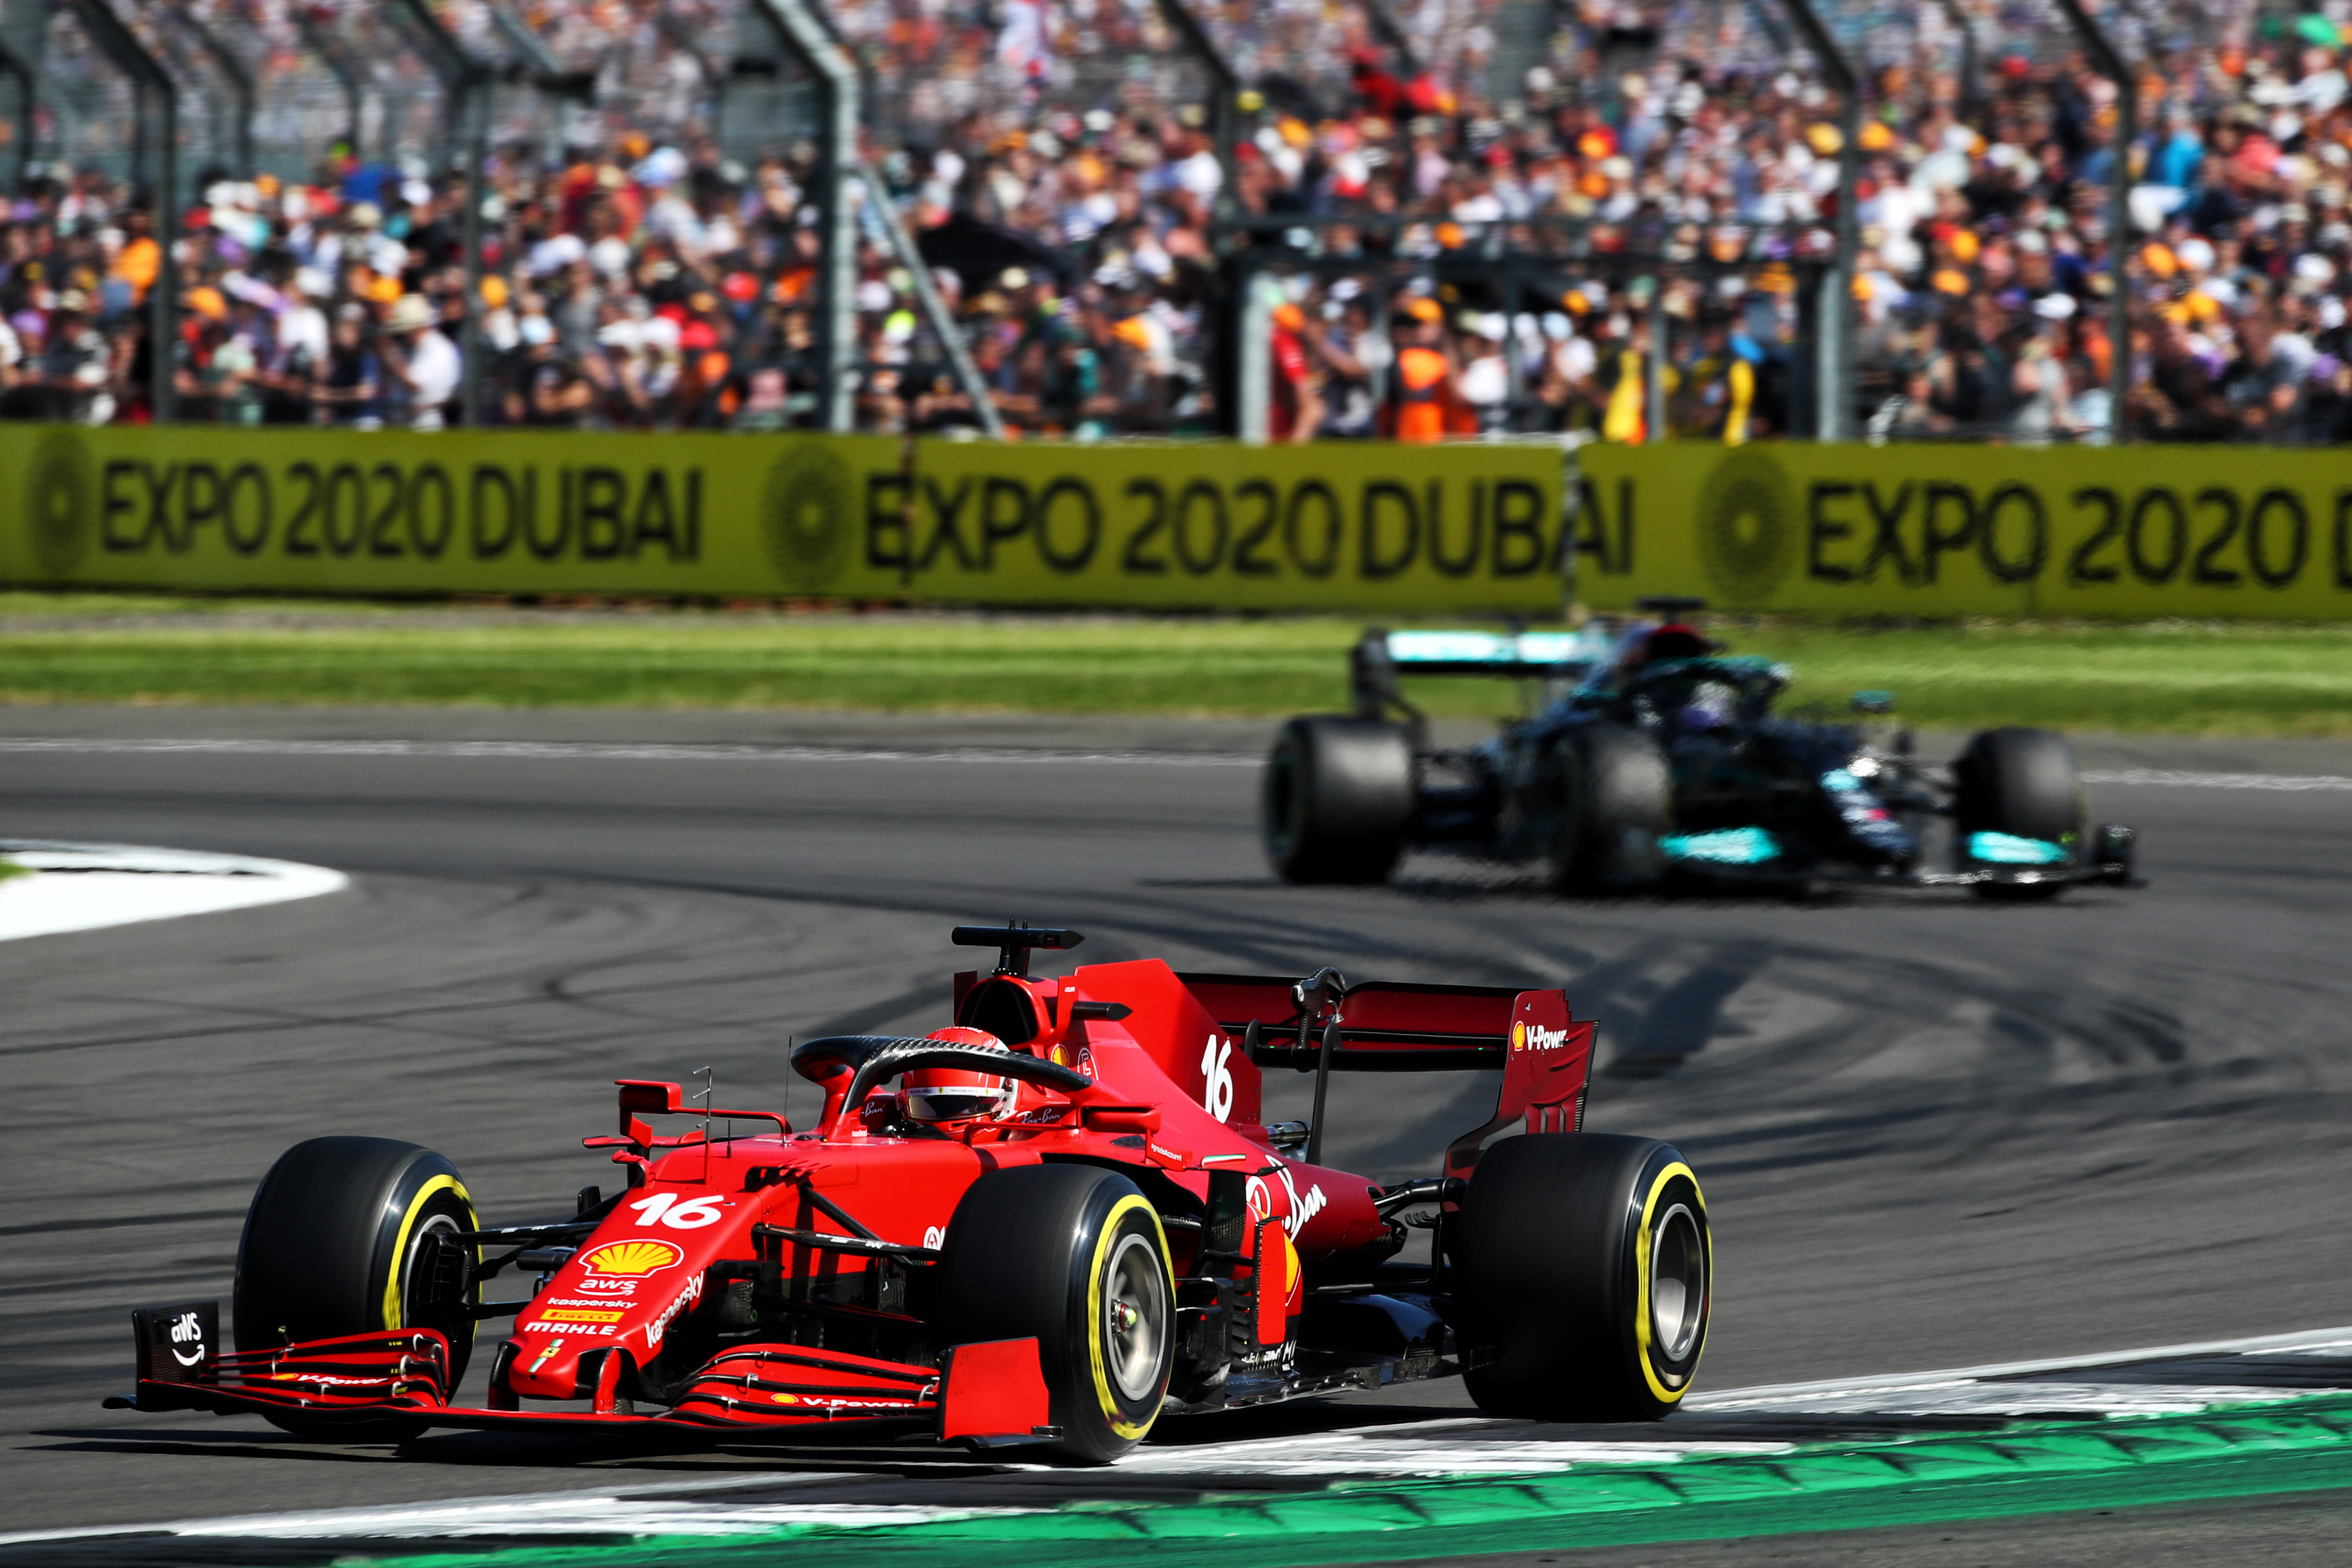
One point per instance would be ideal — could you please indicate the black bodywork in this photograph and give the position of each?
(1750, 793)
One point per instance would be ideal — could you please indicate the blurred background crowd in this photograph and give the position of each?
(1445, 217)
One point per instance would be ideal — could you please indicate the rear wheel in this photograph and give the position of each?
(1338, 794)
(1073, 1255)
(335, 1243)
(1616, 803)
(1587, 1271)
(2019, 783)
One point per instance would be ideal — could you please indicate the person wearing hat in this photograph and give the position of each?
(421, 367)
(74, 361)
(1294, 411)
(1423, 394)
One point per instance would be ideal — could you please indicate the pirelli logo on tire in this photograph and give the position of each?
(1948, 530)
(1206, 525)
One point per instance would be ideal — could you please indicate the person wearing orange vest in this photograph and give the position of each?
(1422, 397)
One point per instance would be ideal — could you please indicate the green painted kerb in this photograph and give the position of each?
(10, 868)
(2045, 1468)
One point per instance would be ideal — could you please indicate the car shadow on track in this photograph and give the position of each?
(1478, 885)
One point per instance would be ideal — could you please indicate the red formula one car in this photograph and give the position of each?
(1067, 1217)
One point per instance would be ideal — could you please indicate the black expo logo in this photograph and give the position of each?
(59, 487)
(805, 514)
(1746, 526)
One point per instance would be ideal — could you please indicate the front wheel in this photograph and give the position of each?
(335, 1243)
(1074, 1257)
(2017, 802)
(1587, 1272)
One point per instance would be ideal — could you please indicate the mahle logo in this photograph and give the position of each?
(60, 493)
(808, 515)
(1747, 527)
(1536, 1037)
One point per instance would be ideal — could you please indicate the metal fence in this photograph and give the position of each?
(190, 93)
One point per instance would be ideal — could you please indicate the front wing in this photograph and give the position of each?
(983, 1395)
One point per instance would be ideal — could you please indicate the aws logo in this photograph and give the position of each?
(1536, 1037)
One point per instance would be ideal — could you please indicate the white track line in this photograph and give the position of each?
(2307, 1342)
(2171, 779)
(86, 887)
(660, 751)
(1448, 1446)
(573, 750)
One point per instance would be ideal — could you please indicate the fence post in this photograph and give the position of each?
(1833, 374)
(117, 42)
(935, 309)
(240, 83)
(812, 44)
(467, 81)
(331, 54)
(27, 107)
(1966, 28)
(2111, 65)
(1230, 370)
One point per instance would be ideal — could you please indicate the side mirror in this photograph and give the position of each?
(1873, 703)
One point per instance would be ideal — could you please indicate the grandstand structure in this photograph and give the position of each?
(1623, 185)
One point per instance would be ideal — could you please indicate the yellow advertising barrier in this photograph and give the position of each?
(864, 518)
(1941, 530)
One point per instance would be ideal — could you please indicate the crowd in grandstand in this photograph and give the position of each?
(1478, 263)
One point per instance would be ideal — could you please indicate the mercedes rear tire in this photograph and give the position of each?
(1337, 796)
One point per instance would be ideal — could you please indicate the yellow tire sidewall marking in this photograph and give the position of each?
(392, 1304)
(1658, 1185)
(1119, 1425)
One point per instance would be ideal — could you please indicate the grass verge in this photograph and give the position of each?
(2165, 677)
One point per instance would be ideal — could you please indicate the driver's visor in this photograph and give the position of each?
(953, 1104)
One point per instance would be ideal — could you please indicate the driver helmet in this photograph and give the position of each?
(958, 1094)
(1672, 641)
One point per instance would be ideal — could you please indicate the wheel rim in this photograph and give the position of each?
(417, 1308)
(1677, 1283)
(1134, 1327)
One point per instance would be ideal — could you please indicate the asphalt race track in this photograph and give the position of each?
(1933, 1132)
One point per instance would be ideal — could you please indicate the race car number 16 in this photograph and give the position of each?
(663, 1208)
(1217, 1078)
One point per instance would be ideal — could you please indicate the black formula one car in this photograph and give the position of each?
(1654, 757)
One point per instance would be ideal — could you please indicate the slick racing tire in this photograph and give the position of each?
(1337, 796)
(2021, 782)
(1616, 802)
(333, 1244)
(1587, 1269)
(1074, 1257)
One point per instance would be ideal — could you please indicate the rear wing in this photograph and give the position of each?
(1383, 1027)
(1323, 1024)
(1380, 658)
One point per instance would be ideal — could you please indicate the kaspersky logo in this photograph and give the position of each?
(630, 1260)
(1536, 1037)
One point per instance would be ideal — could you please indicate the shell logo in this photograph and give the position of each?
(785, 1398)
(1519, 1037)
(630, 1260)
